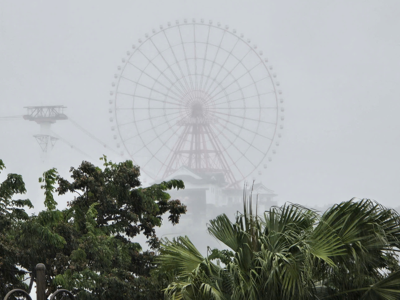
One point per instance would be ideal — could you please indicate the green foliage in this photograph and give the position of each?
(49, 179)
(88, 247)
(198, 277)
(291, 252)
(12, 213)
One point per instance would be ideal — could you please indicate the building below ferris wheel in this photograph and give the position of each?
(206, 195)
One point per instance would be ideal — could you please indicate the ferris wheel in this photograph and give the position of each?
(197, 95)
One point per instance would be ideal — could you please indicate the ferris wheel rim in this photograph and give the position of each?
(262, 61)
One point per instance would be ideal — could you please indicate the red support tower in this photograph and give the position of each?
(198, 146)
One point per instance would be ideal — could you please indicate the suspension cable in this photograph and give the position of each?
(91, 135)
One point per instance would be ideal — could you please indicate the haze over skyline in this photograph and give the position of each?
(337, 62)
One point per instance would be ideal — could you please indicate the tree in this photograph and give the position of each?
(291, 252)
(89, 247)
(11, 213)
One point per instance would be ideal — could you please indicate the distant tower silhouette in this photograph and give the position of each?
(45, 116)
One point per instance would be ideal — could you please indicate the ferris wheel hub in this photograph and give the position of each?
(196, 104)
(197, 109)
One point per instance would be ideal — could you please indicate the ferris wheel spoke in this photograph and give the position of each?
(251, 84)
(244, 108)
(172, 71)
(164, 144)
(233, 163)
(147, 144)
(242, 117)
(186, 60)
(204, 59)
(176, 61)
(145, 108)
(249, 130)
(237, 79)
(165, 76)
(150, 129)
(195, 57)
(171, 158)
(221, 67)
(152, 99)
(229, 72)
(244, 98)
(213, 62)
(196, 80)
(148, 119)
(247, 142)
(222, 150)
(155, 80)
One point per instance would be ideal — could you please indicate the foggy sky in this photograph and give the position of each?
(337, 62)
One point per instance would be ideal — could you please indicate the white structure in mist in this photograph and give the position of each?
(197, 101)
(206, 194)
(45, 116)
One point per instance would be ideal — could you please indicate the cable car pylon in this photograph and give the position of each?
(45, 116)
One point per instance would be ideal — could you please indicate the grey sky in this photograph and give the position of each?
(338, 63)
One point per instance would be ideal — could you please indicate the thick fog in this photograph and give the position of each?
(337, 63)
